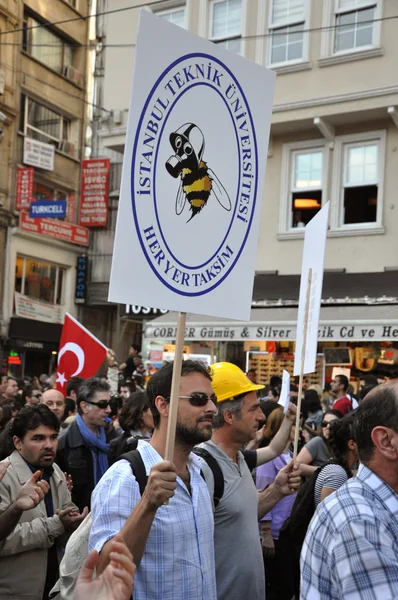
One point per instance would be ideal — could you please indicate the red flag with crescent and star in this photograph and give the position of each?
(80, 353)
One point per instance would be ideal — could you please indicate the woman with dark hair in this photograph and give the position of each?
(312, 412)
(69, 412)
(136, 420)
(316, 452)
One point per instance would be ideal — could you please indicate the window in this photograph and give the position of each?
(360, 190)
(303, 184)
(39, 280)
(43, 124)
(226, 24)
(354, 24)
(174, 15)
(286, 25)
(47, 47)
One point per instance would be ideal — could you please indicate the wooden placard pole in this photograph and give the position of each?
(175, 387)
(303, 353)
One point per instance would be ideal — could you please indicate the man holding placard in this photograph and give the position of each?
(237, 513)
(173, 544)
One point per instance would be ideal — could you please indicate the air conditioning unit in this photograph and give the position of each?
(68, 148)
(73, 75)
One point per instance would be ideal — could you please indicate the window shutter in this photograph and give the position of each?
(287, 11)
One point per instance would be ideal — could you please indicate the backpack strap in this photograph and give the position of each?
(137, 467)
(217, 473)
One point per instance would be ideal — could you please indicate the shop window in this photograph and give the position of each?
(46, 46)
(354, 22)
(174, 15)
(360, 184)
(226, 24)
(44, 191)
(44, 124)
(39, 280)
(303, 179)
(287, 22)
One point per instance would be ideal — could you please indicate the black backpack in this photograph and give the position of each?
(139, 471)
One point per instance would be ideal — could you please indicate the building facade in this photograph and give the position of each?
(45, 64)
(334, 137)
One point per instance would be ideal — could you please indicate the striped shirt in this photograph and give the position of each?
(178, 562)
(332, 476)
(351, 547)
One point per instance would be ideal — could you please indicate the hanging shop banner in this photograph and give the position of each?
(193, 175)
(38, 154)
(25, 177)
(52, 228)
(280, 332)
(94, 192)
(81, 280)
(50, 209)
(313, 258)
(71, 208)
(28, 308)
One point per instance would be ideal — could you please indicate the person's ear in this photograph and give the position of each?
(229, 417)
(386, 442)
(352, 445)
(162, 405)
(17, 443)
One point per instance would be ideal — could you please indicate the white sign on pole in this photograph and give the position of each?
(284, 398)
(313, 258)
(193, 175)
(38, 154)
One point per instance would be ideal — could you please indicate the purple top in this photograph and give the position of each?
(265, 475)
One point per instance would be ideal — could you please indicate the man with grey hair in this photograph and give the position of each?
(236, 515)
(83, 451)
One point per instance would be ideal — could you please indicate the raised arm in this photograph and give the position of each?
(279, 442)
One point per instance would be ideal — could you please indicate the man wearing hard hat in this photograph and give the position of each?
(239, 562)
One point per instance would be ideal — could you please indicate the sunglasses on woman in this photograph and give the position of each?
(199, 398)
(326, 423)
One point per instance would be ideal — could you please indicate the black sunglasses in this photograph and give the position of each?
(36, 396)
(326, 423)
(199, 399)
(100, 404)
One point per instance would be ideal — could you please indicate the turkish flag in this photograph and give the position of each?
(80, 353)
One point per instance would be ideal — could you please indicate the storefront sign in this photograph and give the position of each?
(133, 310)
(94, 192)
(71, 208)
(193, 175)
(365, 331)
(14, 358)
(38, 154)
(25, 177)
(81, 280)
(28, 308)
(59, 230)
(50, 209)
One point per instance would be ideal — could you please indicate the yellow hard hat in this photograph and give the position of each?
(229, 381)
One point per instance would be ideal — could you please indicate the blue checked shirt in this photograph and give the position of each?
(351, 548)
(178, 562)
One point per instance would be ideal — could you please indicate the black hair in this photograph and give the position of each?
(10, 378)
(275, 381)
(73, 385)
(369, 379)
(275, 390)
(363, 392)
(128, 384)
(136, 347)
(5, 416)
(70, 406)
(293, 388)
(343, 381)
(131, 416)
(334, 412)
(341, 431)
(252, 371)
(116, 403)
(31, 417)
(378, 409)
(311, 402)
(160, 383)
(89, 388)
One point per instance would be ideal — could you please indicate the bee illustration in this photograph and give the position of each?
(198, 181)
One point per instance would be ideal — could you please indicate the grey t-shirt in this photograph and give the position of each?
(319, 451)
(239, 560)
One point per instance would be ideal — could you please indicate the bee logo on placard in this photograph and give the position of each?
(198, 181)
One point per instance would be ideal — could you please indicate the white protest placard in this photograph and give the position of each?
(284, 398)
(193, 175)
(313, 260)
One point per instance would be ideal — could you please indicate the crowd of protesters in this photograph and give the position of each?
(89, 507)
